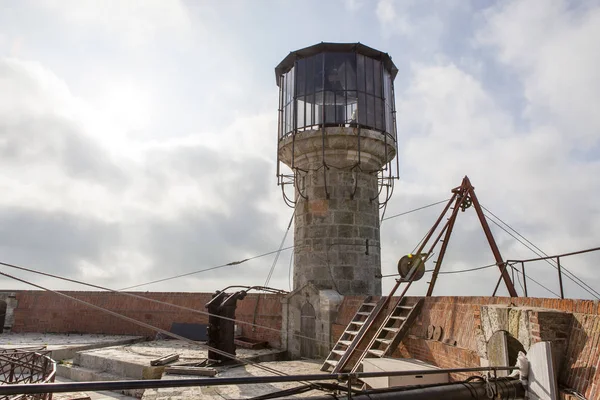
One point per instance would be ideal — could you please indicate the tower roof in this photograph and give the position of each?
(288, 62)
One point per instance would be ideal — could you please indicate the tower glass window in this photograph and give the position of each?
(331, 84)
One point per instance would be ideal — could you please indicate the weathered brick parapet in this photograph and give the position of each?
(46, 312)
(573, 326)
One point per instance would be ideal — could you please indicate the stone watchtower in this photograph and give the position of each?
(337, 135)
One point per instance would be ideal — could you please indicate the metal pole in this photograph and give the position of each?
(440, 258)
(562, 294)
(560, 255)
(435, 225)
(524, 278)
(502, 270)
(168, 383)
(492, 242)
(509, 389)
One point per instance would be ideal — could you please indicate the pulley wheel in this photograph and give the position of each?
(406, 263)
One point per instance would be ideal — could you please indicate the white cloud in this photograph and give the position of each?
(354, 5)
(554, 48)
(393, 21)
(57, 174)
(536, 167)
(159, 165)
(135, 22)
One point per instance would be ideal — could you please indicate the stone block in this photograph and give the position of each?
(320, 274)
(365, 205)
(366, 232)
(318, 206)
(319, 244)
(346, 231)
(348, 258)
(343, 217)
(317, 193)
(343, 286)
(359, 286)
(316, 231)
(346, 273)
(365, 219)
(343, 205)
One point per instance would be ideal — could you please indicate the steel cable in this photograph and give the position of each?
(133, 295)
(145, 325)
(416, 209)
(207, 269)
(537, 254)
(270, 274)
(574, 278)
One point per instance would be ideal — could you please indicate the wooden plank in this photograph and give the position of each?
(202, 371)
(165, 360)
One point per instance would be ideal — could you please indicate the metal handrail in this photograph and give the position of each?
(558, 267)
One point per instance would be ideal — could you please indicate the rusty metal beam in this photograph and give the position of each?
(437, 222)
(492, 242)
(445, 241)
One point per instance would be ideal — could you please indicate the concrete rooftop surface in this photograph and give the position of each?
(240, 391)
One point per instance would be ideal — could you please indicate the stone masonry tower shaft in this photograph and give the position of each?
(337, 134)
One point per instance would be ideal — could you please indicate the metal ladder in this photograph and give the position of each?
(391, 332)
(366, 326)
(350, 338)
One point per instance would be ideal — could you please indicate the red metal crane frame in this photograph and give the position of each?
(463, 197)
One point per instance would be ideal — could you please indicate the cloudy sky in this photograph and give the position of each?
(138, 138)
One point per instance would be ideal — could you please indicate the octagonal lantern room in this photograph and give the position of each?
(336, 84)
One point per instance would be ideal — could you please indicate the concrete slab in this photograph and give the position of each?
(133, 360)
(63, 346)
(239, 391)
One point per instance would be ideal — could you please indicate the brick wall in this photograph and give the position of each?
(460, 317)
(268, 317)
(39, 311)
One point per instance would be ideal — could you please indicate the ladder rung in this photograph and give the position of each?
(331, 362)
(397, 318)
(363, 313)
(339, 352)
(345, 342)
(378, 353)
(370, 304)
(358, 322)
(391, 329)
(352, 332)
(406, 307)
(384, 341)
